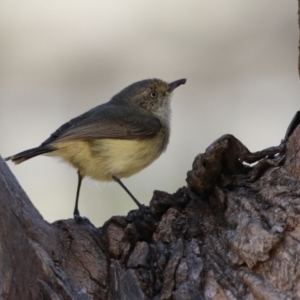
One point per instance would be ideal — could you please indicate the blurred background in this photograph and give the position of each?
(59, 59)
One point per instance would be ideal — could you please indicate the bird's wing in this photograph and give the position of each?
(108, 121)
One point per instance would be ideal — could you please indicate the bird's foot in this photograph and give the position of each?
(80, 220)
(143, 209)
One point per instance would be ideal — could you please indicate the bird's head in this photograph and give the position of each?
(152, 95)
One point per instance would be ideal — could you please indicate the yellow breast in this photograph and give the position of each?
(102, 158)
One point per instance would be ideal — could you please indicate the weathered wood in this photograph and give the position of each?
(233, 233)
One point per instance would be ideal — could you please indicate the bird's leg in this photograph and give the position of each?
(76, 211)
(127, 191)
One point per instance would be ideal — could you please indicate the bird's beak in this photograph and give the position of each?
(173, 85)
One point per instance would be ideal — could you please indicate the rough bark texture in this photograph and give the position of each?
(233, 233)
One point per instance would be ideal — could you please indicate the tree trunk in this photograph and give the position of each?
(232, 233)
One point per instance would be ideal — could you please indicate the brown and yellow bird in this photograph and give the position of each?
(116, 139)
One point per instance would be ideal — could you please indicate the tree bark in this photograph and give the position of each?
(232, 233)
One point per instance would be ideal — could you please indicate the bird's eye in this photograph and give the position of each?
(153, 94)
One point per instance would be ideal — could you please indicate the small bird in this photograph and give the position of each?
(116, 139)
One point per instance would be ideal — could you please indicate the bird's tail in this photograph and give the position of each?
(27, 154)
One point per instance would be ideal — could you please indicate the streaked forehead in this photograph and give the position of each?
(151, 84)
(159, 84)
(142, 87)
